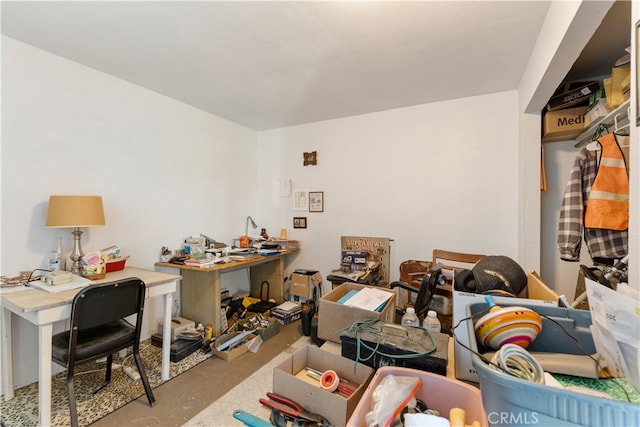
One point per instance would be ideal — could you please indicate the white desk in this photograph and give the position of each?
(43, 309)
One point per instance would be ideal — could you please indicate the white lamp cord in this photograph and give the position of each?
(519, 362)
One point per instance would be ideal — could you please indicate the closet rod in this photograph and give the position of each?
(585, 137)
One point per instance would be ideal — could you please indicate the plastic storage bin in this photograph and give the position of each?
(438, 392)
(511, 401)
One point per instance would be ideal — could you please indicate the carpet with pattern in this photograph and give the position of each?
(22, 410)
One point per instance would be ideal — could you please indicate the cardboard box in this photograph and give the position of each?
(537, 289)
(573, 97)
(234, 352)
(286, 317)
(333, 316)
(270, 331)
(563, 125)
(290, 380)
(597, 111)
(537, 294)
(303, 281)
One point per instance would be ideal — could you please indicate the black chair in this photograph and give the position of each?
(99, 329)
(424, 292)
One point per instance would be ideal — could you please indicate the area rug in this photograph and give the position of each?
(22, 410)
(245, 395)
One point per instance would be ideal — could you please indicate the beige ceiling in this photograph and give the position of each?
(269, 64)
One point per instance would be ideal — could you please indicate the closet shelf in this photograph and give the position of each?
(585, 137)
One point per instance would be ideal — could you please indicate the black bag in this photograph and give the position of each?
(264, 304)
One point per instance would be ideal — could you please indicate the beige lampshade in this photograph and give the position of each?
(75, 211)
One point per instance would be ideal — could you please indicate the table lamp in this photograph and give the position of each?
(76, 212)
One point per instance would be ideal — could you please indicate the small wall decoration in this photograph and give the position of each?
(300, 200)
(310, 158)
(299, 222)
(316, 201)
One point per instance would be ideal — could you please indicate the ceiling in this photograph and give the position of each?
(269, 64)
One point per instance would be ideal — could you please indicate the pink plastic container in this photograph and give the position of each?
(438, 392)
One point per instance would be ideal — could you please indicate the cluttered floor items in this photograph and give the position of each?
(533, 362)
(320, 387)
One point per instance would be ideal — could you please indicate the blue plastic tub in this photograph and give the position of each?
(511, 401)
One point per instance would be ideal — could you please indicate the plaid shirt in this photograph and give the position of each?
(602, 243)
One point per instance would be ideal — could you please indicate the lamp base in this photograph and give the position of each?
(76, 254)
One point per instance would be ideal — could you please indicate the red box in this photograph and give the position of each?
(116, 264)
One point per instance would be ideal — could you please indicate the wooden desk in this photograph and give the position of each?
(201, 287)
(43, 309)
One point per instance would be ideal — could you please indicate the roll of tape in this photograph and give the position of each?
(329, 381)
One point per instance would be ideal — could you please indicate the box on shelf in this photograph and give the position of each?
(537, 293)
(574, 97)
(303, 281)
(333, 316)
(597, 111)
(563, 125)
(438, 392)
(290, 380)
(525, 402)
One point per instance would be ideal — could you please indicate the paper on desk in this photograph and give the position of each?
(12, 289)
(77, 282)
(368, 299)
(615, 327)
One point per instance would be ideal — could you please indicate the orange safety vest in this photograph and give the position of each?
(608, 203)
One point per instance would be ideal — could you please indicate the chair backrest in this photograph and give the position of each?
(412, 271)
(427, 289)
(103, 303)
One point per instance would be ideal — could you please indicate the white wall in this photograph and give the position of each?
(441, 175)
(165, 170)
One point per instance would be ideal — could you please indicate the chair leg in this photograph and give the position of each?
(107, 378)
(73, 412)
(143, 377)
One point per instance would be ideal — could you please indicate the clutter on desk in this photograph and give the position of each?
(93, 266)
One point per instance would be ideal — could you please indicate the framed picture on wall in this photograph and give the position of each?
(300, 200)
(316, 201)
(299, 222)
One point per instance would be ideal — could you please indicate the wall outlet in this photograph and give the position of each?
(132, 373)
